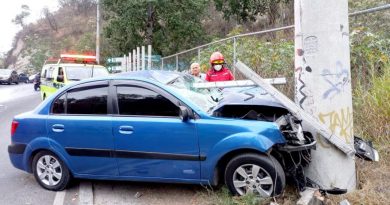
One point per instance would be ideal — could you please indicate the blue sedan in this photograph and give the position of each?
(140, 129)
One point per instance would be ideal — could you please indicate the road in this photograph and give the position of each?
(20, 188)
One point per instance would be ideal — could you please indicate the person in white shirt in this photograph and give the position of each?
(195, 71)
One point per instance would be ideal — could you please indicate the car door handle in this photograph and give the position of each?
(126, 130)
(58, 128)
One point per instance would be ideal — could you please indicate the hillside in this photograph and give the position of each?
(71, 28)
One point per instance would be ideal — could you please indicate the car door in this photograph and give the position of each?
(151, 141)
(81, 125)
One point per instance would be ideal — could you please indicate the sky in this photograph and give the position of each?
(8, 11)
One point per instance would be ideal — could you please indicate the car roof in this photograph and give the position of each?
(129, 76)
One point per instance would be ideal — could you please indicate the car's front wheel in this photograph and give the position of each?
(50, 172)
(257, 174)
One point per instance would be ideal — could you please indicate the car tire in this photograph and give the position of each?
(269, 181)
(50, 171)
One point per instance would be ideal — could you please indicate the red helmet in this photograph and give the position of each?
(217, 58)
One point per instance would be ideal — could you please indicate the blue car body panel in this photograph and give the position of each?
(167, 136)
(147, 148)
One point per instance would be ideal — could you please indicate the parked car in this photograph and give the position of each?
(134, 127)
(8, 76)
(23, 78)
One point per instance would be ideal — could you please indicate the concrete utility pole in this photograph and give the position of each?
(98, 32)
(323, 85)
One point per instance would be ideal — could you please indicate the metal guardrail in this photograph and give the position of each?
(379, 8)
(234, 38)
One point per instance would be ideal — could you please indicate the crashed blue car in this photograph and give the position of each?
(156, 126)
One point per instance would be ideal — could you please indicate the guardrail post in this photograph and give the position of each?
(149, 57)
(129, 62)
(138, 59)
(124, 63)
(134, 65)
(177, 62)
(234, 56)
(199, 55)
(143, 57)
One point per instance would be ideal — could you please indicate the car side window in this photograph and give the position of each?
(134, 100)
(87, 101)
(90, 100)
(59, 105)
(49, 73)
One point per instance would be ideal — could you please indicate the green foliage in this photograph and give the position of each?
(370, 70)
(223, 197)
(247, 10)
(372, 118)
(173, 25)
(86, 43)
(369, 54)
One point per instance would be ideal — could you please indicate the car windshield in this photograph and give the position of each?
(206, 99)
(83, 72)
(5, 72)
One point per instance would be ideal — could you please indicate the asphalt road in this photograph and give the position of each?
(20, 188)
(16, 186)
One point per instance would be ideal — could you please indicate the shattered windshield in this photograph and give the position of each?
(204, 98)
(83, 72)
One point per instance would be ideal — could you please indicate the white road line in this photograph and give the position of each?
(85, 193)
(59, 198)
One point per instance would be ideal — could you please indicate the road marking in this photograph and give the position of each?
(59, 198)
(85, 193)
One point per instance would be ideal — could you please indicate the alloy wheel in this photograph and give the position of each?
(49, 170)
(251, 178)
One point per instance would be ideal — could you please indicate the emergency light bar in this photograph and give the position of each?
(77, 56)
(74, 58)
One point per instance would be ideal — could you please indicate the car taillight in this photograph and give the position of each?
(13, 127)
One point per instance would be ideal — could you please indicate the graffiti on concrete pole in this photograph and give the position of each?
(340, 122)
(336, 80)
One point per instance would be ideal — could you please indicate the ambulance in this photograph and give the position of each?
(56, 73)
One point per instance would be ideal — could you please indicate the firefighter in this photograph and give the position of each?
(218, 70)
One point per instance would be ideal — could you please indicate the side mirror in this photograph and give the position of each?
(60, 78)
(184, 113)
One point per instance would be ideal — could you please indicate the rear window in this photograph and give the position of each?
(89, 100)
(83, 72)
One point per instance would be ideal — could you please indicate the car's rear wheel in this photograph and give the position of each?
(50, 172)
(257, 174)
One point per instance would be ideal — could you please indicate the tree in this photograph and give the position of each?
(83, 7)
(49, 17)
(169, 26)
(19, 18)
(248, 10)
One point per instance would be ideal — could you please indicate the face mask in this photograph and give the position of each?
(217, 67)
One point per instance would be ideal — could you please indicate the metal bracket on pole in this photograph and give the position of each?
(296, 110)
